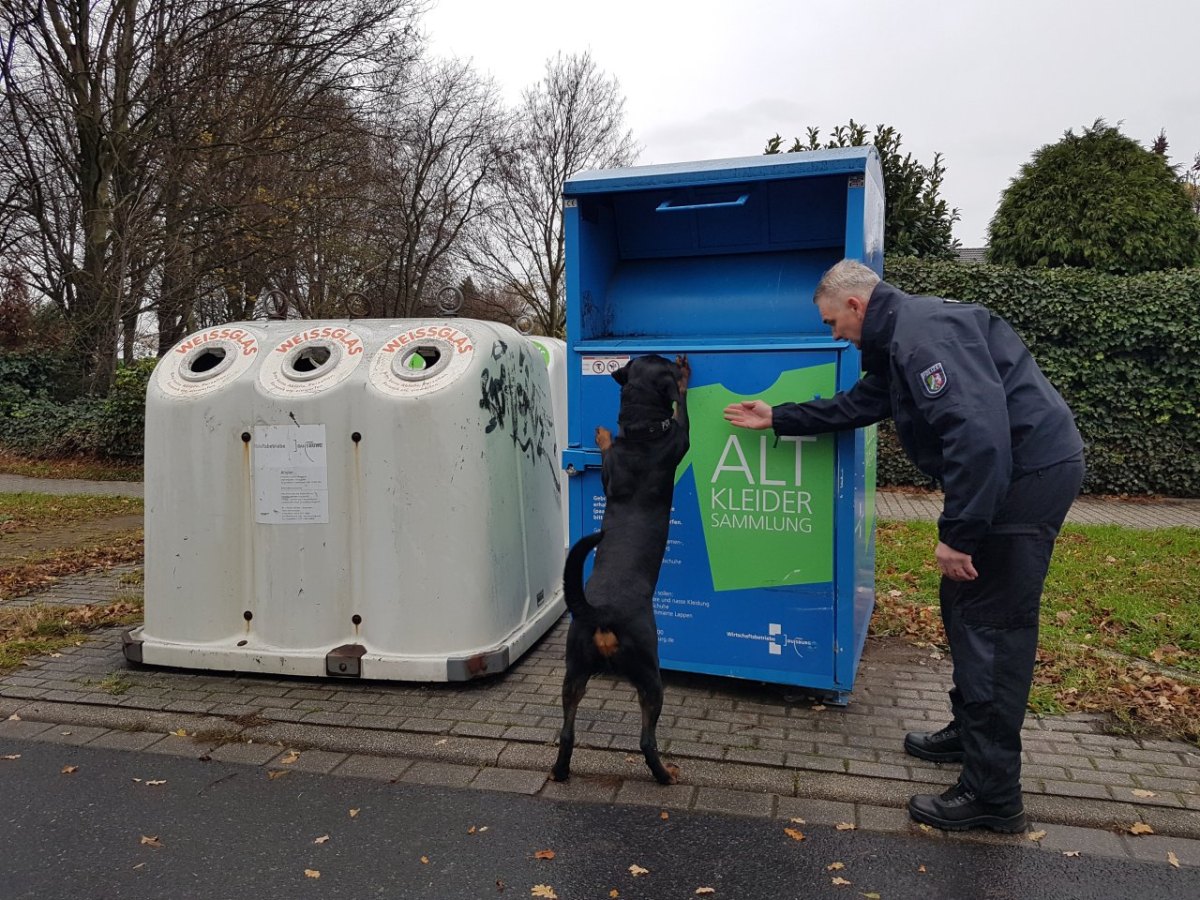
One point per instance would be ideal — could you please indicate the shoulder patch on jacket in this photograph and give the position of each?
(933, 380)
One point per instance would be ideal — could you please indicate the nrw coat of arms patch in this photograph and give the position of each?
(934, 380)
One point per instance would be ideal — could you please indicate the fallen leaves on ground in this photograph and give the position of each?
(179, 732)
(19, 579)
(664, 815)
(544, 854)
(32, 630)
(1172, 858)
(312, 873)
(152, 841)
(292, 756)
(637, 871)
(1137, 696)
(323, 839)
(706, 890)
(845, 826)
(14, 718)
(1070, 853)
(272, 774)
(424, 860)
(544, 891)
(11, 756)
(1144, 794)
(353, 813)
(796, 820)
(921, 868)
(841, 881)
(835, 867)
(70, 770)
(1140, 828)
(1036, 835)
(794, 833)
(1134, 695)
(156, 782)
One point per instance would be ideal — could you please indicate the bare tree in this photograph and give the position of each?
(570, 121)
(123, 118)
(439, 132)
(490, 303)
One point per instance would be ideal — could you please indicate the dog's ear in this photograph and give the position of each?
(621, 375)
(673, 391)
(671, 383)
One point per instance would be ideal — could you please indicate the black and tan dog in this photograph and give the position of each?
(612, 627)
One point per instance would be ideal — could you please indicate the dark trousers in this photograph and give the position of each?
(992, 627)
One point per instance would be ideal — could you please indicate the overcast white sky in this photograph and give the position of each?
(985, 83)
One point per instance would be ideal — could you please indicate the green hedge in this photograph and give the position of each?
(38, 421)
(1124, 352)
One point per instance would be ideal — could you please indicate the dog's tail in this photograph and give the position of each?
(577, 601)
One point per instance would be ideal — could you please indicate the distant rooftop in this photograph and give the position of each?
(970, 255)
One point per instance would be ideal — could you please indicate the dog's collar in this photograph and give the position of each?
(646, 432)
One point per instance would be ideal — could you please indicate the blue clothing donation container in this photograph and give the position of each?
(769, 569)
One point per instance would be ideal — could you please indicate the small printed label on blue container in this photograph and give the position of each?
(603, 365)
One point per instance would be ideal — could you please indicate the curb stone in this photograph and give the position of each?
(267, 755)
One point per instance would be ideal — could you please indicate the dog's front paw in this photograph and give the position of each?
(603, 438)
(560, 776)
(685, 371)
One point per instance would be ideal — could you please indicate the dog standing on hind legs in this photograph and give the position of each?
(612, 623)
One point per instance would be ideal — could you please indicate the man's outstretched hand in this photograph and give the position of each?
(749, 414)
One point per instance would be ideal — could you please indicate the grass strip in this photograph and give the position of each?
(28, 511)
(1120, 623)
(37, 630)
(69, 467)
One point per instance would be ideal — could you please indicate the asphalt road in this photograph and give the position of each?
(229, 831)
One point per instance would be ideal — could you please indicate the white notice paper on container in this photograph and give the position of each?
(291, 478)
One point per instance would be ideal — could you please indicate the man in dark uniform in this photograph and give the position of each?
(973, 410)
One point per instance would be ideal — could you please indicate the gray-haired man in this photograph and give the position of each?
(973, 410)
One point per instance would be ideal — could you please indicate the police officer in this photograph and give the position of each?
(972, 410)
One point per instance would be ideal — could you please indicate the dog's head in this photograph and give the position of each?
(649, 381)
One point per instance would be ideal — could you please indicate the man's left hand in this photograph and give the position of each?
(954, 565)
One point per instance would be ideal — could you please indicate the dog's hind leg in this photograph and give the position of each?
(574, 687)
(650, 697)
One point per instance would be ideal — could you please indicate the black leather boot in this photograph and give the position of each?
(943, 746)
(959, 809)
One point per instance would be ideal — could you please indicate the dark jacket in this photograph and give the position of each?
(972, 408)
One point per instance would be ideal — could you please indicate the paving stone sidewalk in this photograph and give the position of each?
(743, 747)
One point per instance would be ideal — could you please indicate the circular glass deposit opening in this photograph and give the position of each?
(420, 362)
(206, 362)
(311, 361)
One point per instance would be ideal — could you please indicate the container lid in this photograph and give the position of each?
(842, 160)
